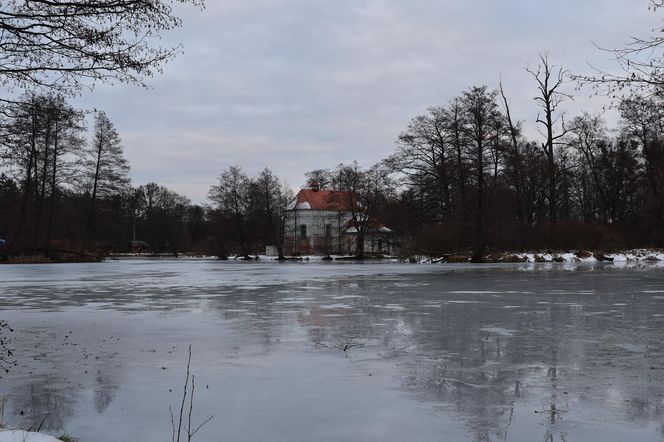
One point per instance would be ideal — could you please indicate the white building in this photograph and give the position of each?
(320, 222)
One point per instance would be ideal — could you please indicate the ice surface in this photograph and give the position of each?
(449, 352)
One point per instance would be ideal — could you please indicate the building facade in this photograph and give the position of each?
(319, 222)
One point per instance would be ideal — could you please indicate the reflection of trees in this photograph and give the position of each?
(7, 359)
(42, 400)
(482, 358)
(466, 370)
(54, 401)
(483, 345)
(56, 394)
(105, 389)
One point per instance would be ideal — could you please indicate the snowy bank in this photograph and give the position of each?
(577, 256)
(25, 436)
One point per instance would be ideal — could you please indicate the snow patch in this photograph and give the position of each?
(335, 306)
(498, 331)
(474, 292)
(395, 307)
(25, 436)
(633, 348)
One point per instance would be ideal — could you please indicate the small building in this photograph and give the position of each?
(320, 222)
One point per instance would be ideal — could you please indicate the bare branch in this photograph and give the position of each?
(66, 46)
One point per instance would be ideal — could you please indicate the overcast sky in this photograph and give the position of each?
(297, 85)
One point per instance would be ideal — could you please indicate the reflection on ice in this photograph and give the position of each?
(478, 353)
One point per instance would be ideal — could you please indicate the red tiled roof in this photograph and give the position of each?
(323, 199)
(333, 200)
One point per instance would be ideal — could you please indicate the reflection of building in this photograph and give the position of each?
(320, 222)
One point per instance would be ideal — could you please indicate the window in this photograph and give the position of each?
(303, 230)
(328, 229)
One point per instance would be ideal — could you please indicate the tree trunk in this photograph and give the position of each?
(27, 190)
(54, 190)
(90, 229)
(480, 241)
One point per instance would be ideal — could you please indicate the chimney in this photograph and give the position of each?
(315, 186)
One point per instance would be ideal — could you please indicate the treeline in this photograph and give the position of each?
(252, 212)
(65, 194)
(58, 191)
(65, 191)
(465, 178)
(473, 180)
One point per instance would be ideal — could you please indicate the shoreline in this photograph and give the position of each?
(578, 257)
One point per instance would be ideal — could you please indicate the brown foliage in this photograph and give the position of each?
(457, 238)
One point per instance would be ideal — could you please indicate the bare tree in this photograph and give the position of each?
(363, 191)
(550, 80)
(274, 201)
(640, 63)
(21, 145)
(481, 117)
(105, 170)
(454, 118)
(163, 213)
(424, 154)
(643, 122)
(67, 45)
(590, 141)
(514, 130)
(231, 195)
(40, 134)
(319, 177)
(65, 128)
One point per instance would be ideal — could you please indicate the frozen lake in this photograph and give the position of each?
(517, 352)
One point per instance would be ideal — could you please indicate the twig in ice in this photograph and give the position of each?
(188, 425)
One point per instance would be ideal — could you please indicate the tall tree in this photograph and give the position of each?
(65, 126)
(232, 196)
(455, 122)
(643, 123)
(514, 156)
(274, 199)
(161, 215)
(363, 191)
(319, 177)
(104, 167)
(20, 153)
(424, 155)
(590, 141)
(481, 118)
(550, 80)
(40, 134)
